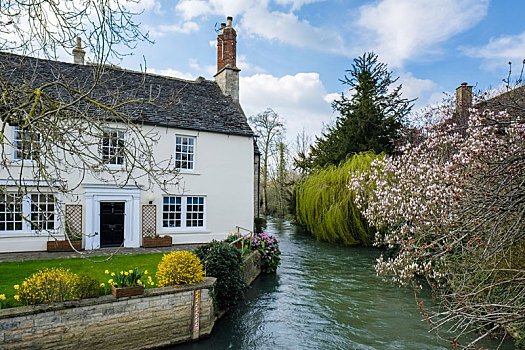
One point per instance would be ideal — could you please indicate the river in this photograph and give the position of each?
(323, 297)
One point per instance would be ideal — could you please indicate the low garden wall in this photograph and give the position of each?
(159, 317)
(251, 267)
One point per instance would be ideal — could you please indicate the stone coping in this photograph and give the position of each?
(208, 283)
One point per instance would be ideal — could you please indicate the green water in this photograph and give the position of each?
(323, 297)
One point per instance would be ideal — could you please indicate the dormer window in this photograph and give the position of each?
(112, 147)
(184, 152)
(26, 144)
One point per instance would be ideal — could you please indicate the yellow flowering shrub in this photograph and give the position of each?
(179, 268)
(47, 286)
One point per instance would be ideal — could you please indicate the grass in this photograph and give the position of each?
(12, 273)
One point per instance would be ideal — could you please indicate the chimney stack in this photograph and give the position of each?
(227, 76)
(78, 53)
(463, 103)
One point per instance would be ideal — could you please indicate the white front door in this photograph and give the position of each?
(97, 194)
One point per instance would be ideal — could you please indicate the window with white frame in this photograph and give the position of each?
(26, 144)
(194, 211)
(43, 211)
(112, 147)
(183, 212)
(31, 212)
(172, 212)
(184, 152)
(10, 212)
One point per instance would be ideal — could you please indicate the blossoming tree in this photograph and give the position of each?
(452, 211)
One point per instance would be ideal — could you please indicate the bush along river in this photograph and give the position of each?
(324, 297)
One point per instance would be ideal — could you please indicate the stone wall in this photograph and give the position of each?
(162, 316)
(251, 267)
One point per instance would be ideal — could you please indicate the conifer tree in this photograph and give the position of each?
(370, 120)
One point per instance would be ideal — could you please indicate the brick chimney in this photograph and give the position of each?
(78, 53)
(463, 103)
(227, 76)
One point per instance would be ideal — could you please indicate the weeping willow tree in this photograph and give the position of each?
(325, 205)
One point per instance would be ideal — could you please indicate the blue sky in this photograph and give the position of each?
(292, 52)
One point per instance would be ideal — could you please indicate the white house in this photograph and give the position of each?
(200, 126)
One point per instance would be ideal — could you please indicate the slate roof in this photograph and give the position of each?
(512, 101)
(163, 101)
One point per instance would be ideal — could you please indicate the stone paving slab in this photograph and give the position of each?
(24, 256)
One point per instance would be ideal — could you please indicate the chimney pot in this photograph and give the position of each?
(78, 53)
(229, 19)
(223, 25)
(464, 84)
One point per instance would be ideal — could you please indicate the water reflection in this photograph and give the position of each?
(323, 297)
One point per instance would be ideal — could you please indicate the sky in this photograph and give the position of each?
(292, 53)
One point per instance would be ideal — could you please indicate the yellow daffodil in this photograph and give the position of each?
(106, 272)
(2, 296)
(130, 271)
(126, 273)
(110, 281)
(146, 272)
(121, 272)
(24, 283)
(16, 286)
(152, 283)
(16, 297)
(113, 274)
(102, 285)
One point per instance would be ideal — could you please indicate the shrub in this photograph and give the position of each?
(87, 287)
(223, 262)
(47, 286)
(268, 246)
(179, 268)
(327, 209)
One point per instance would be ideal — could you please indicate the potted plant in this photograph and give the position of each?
(72, 242)
(126, 283)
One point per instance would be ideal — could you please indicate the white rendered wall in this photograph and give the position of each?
(223, 173)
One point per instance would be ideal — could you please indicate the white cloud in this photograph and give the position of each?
(257, 20)
(296, 4)
(289, 29)
(414, 88)
(300, 99)
(498, 51)
(170, 72)
(247, 67)
(193, 8)
(207, 70)
(143, 5)
(184, 28)
(404, 29)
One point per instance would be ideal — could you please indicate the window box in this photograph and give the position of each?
(126, 291)
(63, 246)
(149, 242)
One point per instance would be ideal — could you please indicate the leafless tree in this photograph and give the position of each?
(268, 127)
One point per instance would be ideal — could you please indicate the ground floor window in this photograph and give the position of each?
(183, 212)
(31, 212)
(43, 211)
(10, 212)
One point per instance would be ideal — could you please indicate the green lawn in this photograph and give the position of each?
(12, 273)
